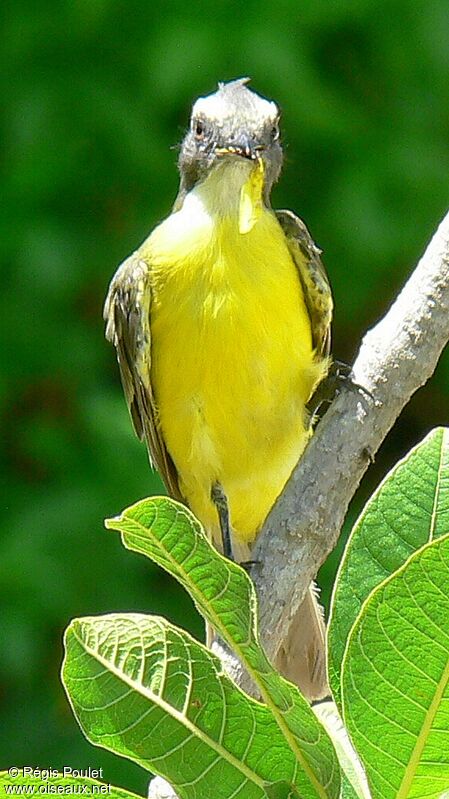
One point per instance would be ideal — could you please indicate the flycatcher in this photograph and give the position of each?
(221, 321)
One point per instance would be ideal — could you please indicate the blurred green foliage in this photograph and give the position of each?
(94, 95)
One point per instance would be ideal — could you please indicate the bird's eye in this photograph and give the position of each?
(199, 129)
(275, 132)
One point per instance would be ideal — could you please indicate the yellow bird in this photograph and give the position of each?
(221, 320)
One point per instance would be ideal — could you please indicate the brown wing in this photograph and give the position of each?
(315, 285)
(127, 315)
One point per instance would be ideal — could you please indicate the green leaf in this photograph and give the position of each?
(410, 508)
(169, 534)
(281, 790)
(395, 679)
(68, 785)
(147, 690)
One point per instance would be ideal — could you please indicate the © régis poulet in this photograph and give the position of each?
(221, 320)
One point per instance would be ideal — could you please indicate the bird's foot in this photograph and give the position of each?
(339, 377)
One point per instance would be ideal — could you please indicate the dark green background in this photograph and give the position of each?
(96, 94)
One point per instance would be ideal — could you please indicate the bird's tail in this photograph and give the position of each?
(302, 658)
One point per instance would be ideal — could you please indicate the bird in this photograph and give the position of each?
(221, 320)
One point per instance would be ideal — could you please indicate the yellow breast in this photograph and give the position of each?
(232, 360)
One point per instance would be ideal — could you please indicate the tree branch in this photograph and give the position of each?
(396, 357)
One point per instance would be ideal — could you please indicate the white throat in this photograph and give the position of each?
(220, 193)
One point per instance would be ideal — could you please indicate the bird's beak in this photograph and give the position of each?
(243, 146)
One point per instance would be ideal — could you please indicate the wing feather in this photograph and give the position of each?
(127, 314)
(314, 281)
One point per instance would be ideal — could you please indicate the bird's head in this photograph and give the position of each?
(232, 126)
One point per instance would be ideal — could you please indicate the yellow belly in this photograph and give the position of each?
(232, 363)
